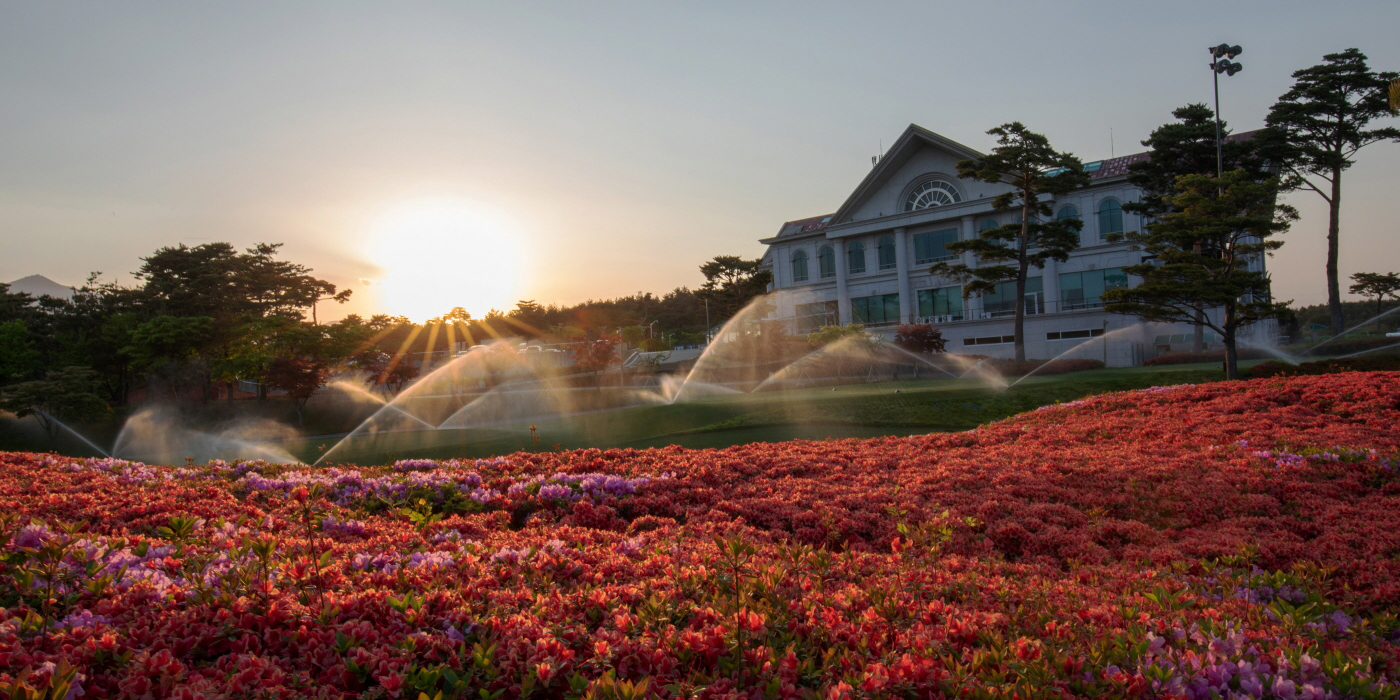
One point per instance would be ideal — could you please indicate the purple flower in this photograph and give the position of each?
(556, 492)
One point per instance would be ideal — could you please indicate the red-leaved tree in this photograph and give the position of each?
(298, 376)
(595, 355)
(920, 338)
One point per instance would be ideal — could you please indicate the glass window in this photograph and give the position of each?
(855, 257)
(987, 225)
(876, 310)
(934, 193)
(826, 261)
(943, 302)
(811, 317)
(1110, 217)
(1082, 290)
(1067, 212)
(1002, 301)
(799, 266)
(887, 256)
(932, 246)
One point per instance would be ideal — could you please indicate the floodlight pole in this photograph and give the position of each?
(1198, 342)
(1219, 141)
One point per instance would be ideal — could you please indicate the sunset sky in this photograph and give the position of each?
(431, 155)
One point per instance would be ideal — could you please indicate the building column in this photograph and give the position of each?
(969, 232)
(843, 295)
(901, 266)
(1050, 284)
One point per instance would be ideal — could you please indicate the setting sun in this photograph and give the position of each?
(440, 254)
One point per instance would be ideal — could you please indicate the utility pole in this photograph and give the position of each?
(707, 322)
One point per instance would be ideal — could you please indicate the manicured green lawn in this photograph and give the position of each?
(866, 410)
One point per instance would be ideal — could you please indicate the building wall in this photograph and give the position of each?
(1124, 341)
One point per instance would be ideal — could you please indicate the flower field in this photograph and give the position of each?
(1223, 540)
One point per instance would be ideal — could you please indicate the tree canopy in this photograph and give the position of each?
(1315, 131)
(1028, 163)
(1205, 254)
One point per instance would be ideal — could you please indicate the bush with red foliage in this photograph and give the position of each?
(1231, 539)
(920, 338)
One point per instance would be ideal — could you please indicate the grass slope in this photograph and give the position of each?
(890, 408)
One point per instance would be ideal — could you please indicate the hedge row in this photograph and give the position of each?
(1275, 368)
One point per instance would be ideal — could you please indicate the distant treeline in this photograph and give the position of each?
(205, 318)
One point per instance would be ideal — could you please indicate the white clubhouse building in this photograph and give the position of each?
(869, 262)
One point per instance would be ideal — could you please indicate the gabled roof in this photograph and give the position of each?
(905, 146)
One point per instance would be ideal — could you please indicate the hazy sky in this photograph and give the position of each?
(602, 148)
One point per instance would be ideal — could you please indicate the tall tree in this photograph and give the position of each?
(731, 282)
(1024, 160)
(18, 358)
(68, 394)
(215, 280)
(1203, 254)
(1380, 286)
(1315, 131)
(1186, 147)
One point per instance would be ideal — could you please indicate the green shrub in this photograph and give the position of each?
(1347, 346)
(1012, 368)
(1389, 363)
(1272, 368)
(1189, 358)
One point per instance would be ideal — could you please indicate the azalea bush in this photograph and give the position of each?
(1224, 540)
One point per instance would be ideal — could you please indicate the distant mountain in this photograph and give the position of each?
(39, 285)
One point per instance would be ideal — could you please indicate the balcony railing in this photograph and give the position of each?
(1035, 306)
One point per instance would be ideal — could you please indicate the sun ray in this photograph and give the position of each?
(431, 347)
(466, 332)
(397, 357)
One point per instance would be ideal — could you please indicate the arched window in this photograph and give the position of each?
(826, 261)
(1068, 211)
(987, 225)
(1110, 217)
(855, 257)
(934, 193)
(799, 266)
(887, 256)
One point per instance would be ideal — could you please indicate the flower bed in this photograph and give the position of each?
(1199, 541)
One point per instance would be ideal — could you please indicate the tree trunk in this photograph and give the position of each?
(1022, 264)
(1232, 362)
(1229, 329)
(1020, 328)
(1334, 289)
(230, 386)
(1198, 341)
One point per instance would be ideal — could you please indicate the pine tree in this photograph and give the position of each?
(1200, 256)
(1316, 129)
(1024, 160)
(1186, 147)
